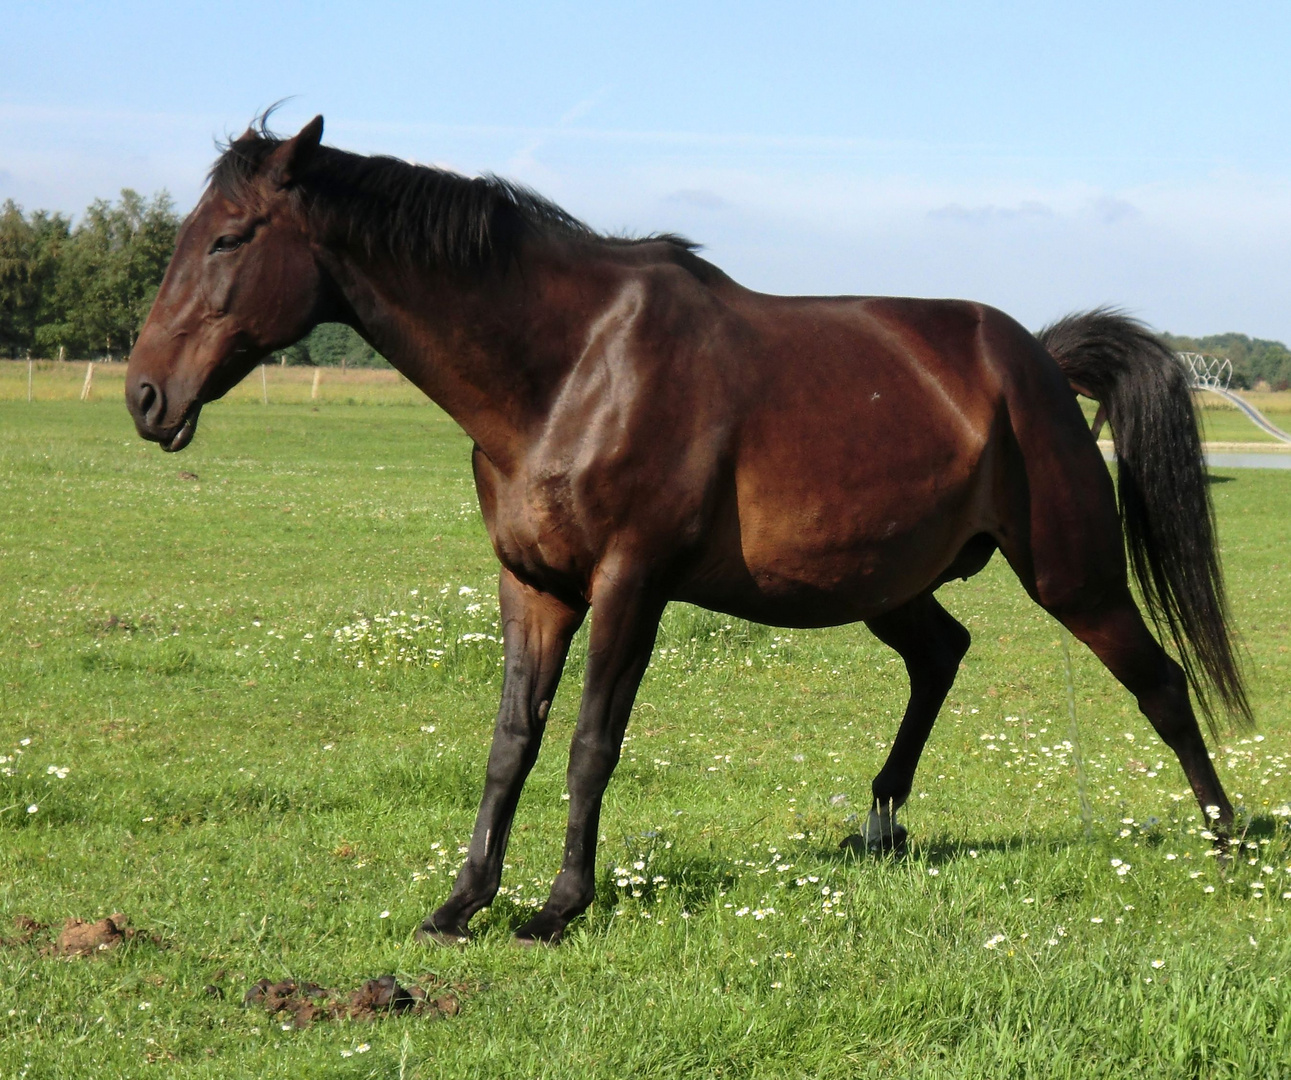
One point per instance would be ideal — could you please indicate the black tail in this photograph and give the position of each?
(1166, 512)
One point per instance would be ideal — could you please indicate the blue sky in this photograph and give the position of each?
(1041, 157)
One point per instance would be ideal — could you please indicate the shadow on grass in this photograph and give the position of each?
(1262, 827)
(943, 850)
(693, 883)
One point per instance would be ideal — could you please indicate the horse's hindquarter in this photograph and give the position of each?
(862, 466)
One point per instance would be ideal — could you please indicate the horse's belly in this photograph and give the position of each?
(809, 572)
(803, 547)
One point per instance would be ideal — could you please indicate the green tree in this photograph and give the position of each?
(334, 345)
(30, 250)
(110, 272)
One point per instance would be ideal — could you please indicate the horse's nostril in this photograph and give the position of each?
(148, 400)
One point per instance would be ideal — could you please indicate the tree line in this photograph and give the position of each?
(82, 292)
(78, 292)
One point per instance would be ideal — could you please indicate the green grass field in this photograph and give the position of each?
(251, 709)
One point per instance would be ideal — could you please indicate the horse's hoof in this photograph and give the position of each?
(430, 934)
(520, 942)
(537, 931)
(890, 841)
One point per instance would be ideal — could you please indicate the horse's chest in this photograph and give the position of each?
(536, 532)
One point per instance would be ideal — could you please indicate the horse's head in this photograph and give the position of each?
(243, 281)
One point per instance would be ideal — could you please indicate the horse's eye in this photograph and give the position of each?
(227, 243)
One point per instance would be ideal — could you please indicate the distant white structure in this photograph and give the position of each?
(1206, 372)
(1213, 373)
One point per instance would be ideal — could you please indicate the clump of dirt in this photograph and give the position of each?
(306, 1002)
(81, 938)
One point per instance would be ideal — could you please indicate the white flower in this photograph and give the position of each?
(384, 915)
(32, 808)
(1158, 963)
(992, 942)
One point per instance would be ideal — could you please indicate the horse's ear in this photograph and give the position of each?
(292, 158)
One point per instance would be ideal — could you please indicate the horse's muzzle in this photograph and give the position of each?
(147, 403)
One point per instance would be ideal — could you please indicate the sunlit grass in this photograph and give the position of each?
(210, 750)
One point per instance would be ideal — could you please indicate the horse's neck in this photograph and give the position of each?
(491, 351)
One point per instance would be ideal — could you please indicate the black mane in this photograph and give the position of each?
(415, 212)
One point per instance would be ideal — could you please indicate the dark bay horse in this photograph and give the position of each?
(647, 430)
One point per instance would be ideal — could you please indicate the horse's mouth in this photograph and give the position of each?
(184, 435)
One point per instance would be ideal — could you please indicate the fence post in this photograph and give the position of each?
(313, 391)
(28, 376)
(264, 385)
(89, 382)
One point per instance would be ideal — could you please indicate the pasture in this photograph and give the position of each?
(246, 695)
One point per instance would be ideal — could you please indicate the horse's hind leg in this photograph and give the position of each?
(1065, 546)
(932, 644)
(1117, 635)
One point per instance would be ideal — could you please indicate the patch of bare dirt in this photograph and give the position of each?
(306, 1002)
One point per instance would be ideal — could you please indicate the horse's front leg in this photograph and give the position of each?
(625, 620)
(536, 632)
